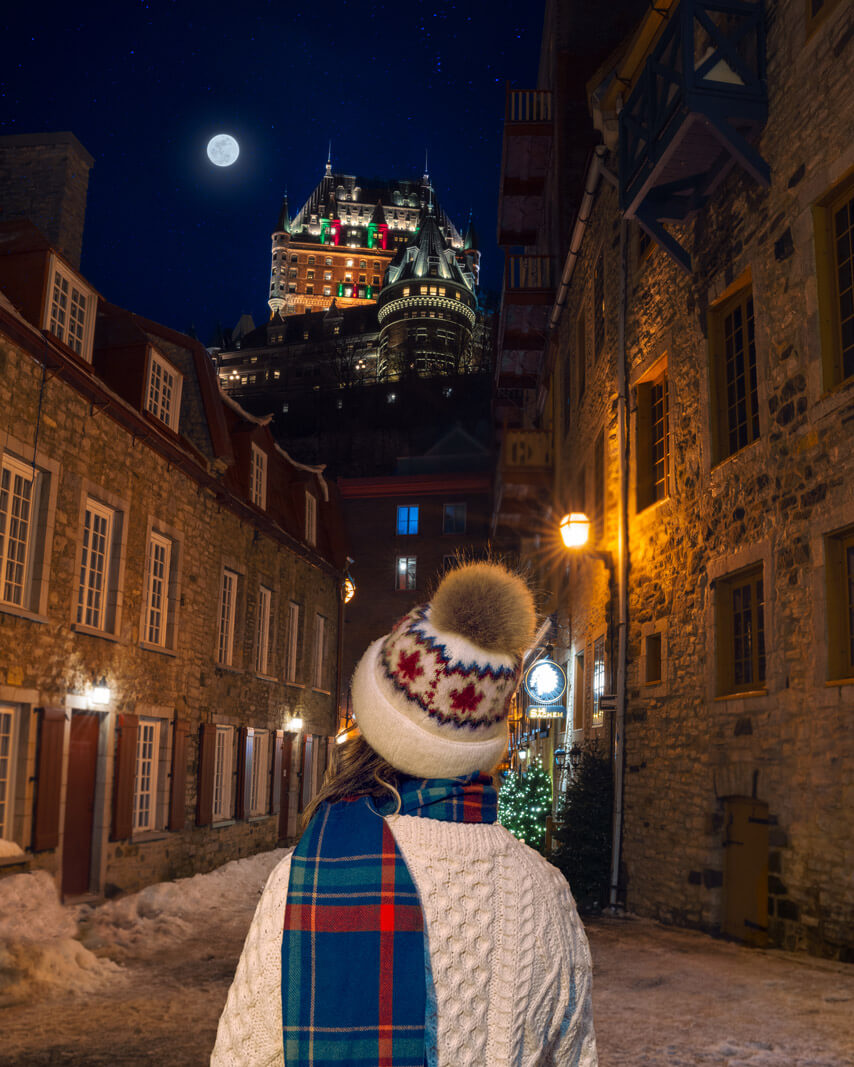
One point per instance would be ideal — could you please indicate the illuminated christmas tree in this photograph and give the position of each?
(524, 802)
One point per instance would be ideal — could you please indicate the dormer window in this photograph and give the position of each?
(310, 518)
(258, 477)
(163, 395)
(70, 309)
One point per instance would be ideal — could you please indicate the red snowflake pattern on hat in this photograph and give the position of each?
(409, 666)
(466, 699)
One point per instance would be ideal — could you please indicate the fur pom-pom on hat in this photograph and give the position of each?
(432, 696)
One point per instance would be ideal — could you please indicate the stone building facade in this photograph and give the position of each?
(170, 598)
(698, 385)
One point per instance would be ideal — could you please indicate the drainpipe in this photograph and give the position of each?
(594, 172)
(622, 568)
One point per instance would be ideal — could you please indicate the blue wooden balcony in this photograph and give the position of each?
(697, 110)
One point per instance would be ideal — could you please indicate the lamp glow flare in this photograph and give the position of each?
(575, 529)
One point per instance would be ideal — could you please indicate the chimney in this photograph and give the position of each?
(44, 177)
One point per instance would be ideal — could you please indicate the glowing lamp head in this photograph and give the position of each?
(575, 529)
(101, 692)
(294, 725)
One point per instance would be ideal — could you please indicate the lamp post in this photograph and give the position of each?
(574, 531)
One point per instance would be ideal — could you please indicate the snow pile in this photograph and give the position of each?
(162, 914)
(9, 849)
(38, 946)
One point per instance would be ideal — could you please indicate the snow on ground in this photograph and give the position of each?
(146, 976)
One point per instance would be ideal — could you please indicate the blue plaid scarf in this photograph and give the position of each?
(353, 981)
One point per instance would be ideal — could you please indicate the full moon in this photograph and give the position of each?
(223, 150)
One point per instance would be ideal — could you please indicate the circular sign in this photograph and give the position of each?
(545, 681)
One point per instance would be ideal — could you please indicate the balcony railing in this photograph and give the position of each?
(527, 277)
(528, 105)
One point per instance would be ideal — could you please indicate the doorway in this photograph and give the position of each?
(746, 870)
(80, 804)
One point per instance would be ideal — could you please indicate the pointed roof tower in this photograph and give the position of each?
(428, 256)
(378, 217)
(470, 241)
(284, 223)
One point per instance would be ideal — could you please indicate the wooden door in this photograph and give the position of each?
(80, 804)
(746, 870)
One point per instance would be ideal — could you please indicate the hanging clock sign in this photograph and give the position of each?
(545, 681)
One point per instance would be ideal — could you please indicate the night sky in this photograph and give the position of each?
(144, 85)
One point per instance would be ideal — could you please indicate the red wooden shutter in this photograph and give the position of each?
(284, 786)
(241, 800)
(276, 782)
(178, 786)
(207, 757)
(127, 729)
(48, 778)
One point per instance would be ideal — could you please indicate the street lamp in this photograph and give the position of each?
(575, 529)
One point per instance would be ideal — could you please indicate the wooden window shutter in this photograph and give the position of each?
(276, 782)
(241, 800)
(124, 765)
(48, 778)
(284, 785)
(207, 756)
(178, 786)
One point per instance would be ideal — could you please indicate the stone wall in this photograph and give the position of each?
(789, 743)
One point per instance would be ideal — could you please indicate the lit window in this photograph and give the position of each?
(839, 573)
(740, 625)
(70, 310)
(349, 263)
(733, 370)
(834, 237)
(407, 519)
(653, 439)
(145, 784)
(405, 573)
(16, 530)
(227, 612)
(310, 518)
(327, 291)
(95, 605)
(259, 773)
(7, 769)
(163, 398)
(327, 275)
(258, 477)
(320, 652)
(223, 775)
(157, 613)
(329, 261)
(454, 521)
(598, 680)
(262, 631)
(293, 647)
(311, 261)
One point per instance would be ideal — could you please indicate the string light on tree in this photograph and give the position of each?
(524, 802)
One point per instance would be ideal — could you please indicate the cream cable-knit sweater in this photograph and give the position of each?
(508, 954)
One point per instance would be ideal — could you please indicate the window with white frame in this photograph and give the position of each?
(310, 518)
(17, 483)
(227, 613)
(405, 572)
(145, 783)
(223, 777)
(258, 477)
(157, 606)
(95, 605)
(320, 639)
(292, 657)
(163, 396)
(262, 631)
(259, 782)
(7, 768)
(70, 309)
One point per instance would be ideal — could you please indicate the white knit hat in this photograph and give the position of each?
(432, 696)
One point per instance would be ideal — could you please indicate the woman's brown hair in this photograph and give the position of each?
(355, 771)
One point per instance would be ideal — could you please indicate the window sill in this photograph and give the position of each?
(325, 692)
(226, 668)
(719, 464)
(648, 510)
(90, 631)
(145, 837)
(834, 682)
(22, 613)
(746, 694)
(259, 818)
(160, 649)
(220, 824)
(295, 685)
(22, 860)
(271, 678)
(833, 398)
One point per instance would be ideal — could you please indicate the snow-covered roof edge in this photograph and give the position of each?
(259, 420)
(318, 471)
